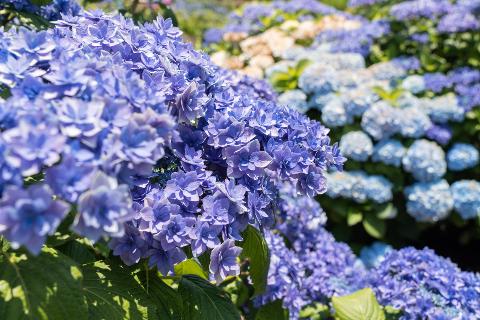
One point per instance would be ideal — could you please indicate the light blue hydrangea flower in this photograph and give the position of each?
(389, 152)
(356, 145)
(358, 100)
(462, 156)
(319, 100)
(334, 114)
(373, 255)
(414, 84)
(413, 122)
(443, 109)
(340, 184)
(359, 187)
(378, 189)
(295, 99)
(429, 201)
(466, 198)
(318, 78)
(425, 160)
(380, 121)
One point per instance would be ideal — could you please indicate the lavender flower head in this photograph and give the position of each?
(29, 215)
(223, 260)
(103, 208)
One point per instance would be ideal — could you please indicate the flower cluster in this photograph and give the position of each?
(424, 285)
(390, 106)
(143, 139)
(314, 267)
(263, 33)
(50, 11)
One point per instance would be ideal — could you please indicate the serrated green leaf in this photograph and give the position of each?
(374, 226)
(47, 286)
(272, 310)
(255, 249)
(360, 305)
(354, 217)
(190, 266)
(204, 301)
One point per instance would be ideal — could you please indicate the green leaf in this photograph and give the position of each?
(354, 217)
(47, 286)
(272, 310)
(301, 65)
(317, 311)
(374, 226)
(391, 313)
(41, 2)
(255, 250)
(112, 292)
(360, 305)
(204, 301)
(387, 212)
(190, 266)
(77, 251)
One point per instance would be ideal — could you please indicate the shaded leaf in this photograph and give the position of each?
(272, 310)
(255, 249)
(204, 301)
(374, 226)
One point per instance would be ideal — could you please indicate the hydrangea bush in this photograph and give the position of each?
(441, 32)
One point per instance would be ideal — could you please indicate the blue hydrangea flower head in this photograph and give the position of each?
(223, 261)
(29, 215)
(443, 109)
(462, 156)
(413, 122)
(425, 160)
(380, 121)
(356, 145)
(389, 152)
(334, 114)
(103, 209)
(425, 285)
(415, 84)
(429, 201)
(466, 198)
(295, 99)
(373, 255)
(131, 247)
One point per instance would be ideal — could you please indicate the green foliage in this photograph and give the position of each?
(75, 278)
(374, 226)
(360, 305)
(255, 250)
(317, 311)
(49, 286)
(288, 80)
(204, 301)
(272, 310)
(190, 266)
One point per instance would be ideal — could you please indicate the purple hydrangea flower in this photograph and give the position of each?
(223, 261)
(248, 160)
(131, 247)
(103, 209)
(29, 215)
